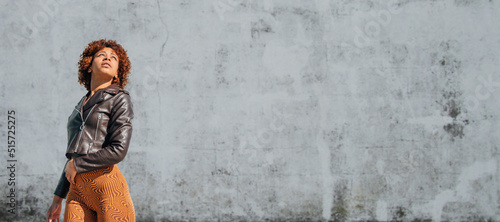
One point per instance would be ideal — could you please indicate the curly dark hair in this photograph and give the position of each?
(87, 56)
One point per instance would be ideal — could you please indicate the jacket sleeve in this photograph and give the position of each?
(119, 134)
(63, 185)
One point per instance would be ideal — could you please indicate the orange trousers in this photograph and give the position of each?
(100, 195)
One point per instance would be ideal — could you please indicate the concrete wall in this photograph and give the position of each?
(269, 109)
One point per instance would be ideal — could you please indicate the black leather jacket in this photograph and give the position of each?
(98, 133)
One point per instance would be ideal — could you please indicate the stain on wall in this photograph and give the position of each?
(272, 109)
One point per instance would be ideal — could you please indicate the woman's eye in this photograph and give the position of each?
(114, 58)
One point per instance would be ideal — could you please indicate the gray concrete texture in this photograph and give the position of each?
(253, 110)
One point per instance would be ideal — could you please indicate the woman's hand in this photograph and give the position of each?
(54, 210)
(70, 171)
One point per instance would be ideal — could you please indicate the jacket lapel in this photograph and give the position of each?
(101, 95)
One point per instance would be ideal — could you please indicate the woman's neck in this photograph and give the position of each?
(96, 85)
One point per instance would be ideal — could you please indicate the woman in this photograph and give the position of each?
(99, 131)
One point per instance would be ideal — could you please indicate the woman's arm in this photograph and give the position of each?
(63, 185)
(54, 212)
(119, 133)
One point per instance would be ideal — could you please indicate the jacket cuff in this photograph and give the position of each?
(62, 188)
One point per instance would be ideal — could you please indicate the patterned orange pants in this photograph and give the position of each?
(101, 195)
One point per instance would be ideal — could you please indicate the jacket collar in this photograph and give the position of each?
(112, 89)
(101, 95)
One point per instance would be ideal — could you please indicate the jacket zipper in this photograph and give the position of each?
(82, 126)
(97, 126)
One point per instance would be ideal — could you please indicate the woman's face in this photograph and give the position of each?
(105, 64)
